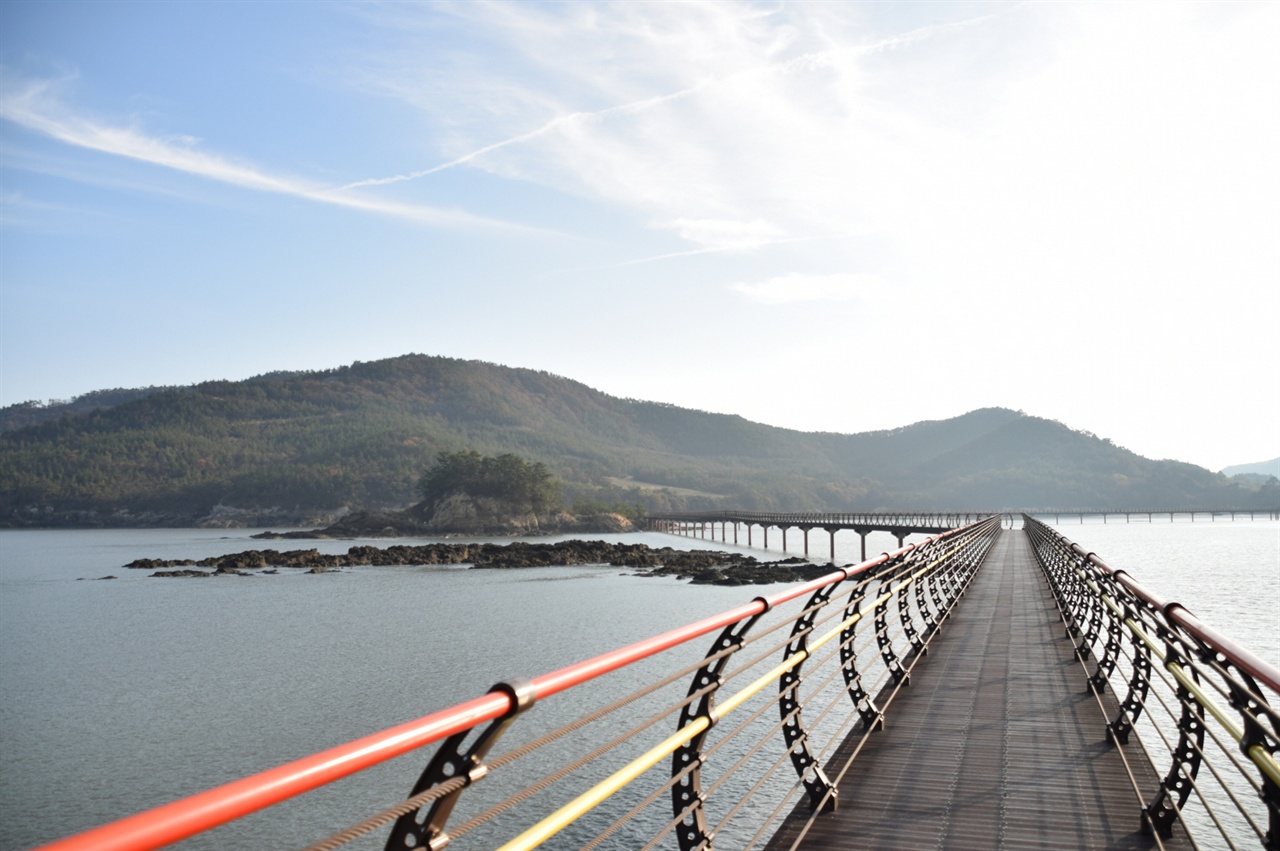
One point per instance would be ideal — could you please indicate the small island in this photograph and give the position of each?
(466, 493)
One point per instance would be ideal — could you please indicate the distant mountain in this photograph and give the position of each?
(1262, 468)
(298, 447)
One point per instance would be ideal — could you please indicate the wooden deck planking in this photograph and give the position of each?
(997, 742)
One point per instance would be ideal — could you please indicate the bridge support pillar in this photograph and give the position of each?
(862, 535)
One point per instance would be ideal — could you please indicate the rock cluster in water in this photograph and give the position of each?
(704, 567)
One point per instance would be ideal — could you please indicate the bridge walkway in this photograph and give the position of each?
(997, 742)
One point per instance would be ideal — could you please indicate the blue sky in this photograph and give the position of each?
(825, 216)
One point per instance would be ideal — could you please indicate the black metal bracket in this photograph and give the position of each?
(822, 792)
(1110, 654)
(1246, 698)
(687, 798)
(1139, 684)
(884, 642)
(871, 715)
(427, 830)
(1163, 810)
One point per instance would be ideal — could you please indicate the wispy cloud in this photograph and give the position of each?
(36, 105)
(16, 210)
(983, 147)
(797, 287)
(731, 125)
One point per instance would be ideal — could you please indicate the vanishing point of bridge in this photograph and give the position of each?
(985, 688)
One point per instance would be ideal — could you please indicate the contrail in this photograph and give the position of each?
(646, 103)
(31, 106)
(633, 106)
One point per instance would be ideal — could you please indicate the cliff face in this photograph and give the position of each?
(470, 515)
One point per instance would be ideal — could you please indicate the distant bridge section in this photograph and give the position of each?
(1153, 514)
(900, 524)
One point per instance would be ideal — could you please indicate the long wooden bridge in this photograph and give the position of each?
(985, 688)
(900, 524)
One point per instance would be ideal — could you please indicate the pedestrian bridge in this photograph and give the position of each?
(984, 688)
(900, 524)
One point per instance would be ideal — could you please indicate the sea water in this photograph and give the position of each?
(121, 694)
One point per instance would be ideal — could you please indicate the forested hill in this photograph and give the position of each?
(292, 447)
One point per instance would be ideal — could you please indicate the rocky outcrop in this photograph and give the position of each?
(707, 567)
(468, 515)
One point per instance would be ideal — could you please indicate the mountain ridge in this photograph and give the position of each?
(299, 446)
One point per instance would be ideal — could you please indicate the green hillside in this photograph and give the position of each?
(294, 446)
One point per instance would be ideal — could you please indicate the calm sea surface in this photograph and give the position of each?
(123, 694)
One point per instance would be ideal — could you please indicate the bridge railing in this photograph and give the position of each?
(662, 742)
(1201, 706)
(818, 520)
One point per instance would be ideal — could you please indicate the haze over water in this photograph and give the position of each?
(124, 694)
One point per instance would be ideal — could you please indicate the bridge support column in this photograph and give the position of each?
(784, 539)
(805, 530)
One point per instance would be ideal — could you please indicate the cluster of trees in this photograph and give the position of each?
(522, 485)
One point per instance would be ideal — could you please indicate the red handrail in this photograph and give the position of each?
(181, 819)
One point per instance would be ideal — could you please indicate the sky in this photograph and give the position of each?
(825, 216)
